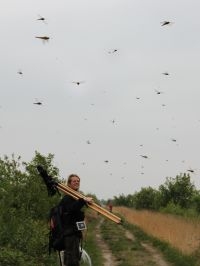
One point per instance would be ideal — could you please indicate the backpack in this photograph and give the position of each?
(56, 232)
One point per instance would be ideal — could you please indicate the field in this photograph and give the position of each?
(143, 238)
(181, 233)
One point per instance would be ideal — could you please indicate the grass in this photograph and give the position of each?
(127, 252)
(175, 256)
(89, 240)
(131, 252)
(140, 226)
(181, 233)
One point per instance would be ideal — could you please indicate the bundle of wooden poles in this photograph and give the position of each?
(53, 185)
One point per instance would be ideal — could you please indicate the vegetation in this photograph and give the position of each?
(126, 252)
(177, 195)
(25, 205)
(89, 238)
(130, 253)
(171, 254)
(181, 233)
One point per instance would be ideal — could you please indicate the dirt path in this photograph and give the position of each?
(154, 253)
(109, 260)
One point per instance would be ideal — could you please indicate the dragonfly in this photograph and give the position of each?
(41, 18)
(144, 156)
(37, 102)
(78, 82)
(166, 22)
(43, 38)
(20, 72)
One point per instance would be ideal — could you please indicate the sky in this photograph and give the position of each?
(124, 107)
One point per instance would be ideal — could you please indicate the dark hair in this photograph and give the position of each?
(70, 178)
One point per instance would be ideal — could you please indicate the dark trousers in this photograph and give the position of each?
(72, 251)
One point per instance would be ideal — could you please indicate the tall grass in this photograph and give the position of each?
(181, 233)
(171, 254)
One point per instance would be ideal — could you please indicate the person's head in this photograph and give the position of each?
(73, 181)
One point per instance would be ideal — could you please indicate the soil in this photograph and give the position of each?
(155, 254)
(110, 260)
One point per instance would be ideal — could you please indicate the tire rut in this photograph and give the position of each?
(109, 258)
(154, 253)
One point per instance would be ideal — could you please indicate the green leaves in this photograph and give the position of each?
(24, 205)
(176, 195)
(178, 190)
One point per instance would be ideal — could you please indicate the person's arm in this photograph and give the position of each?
(70, 204)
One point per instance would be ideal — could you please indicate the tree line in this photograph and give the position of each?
(177, 195)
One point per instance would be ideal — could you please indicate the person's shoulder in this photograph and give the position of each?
(66, 198)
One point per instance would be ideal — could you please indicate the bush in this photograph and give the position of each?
(173, 209)
(13, 257)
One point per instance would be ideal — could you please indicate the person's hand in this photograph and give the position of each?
(88, 199)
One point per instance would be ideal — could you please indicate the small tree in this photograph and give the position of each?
(178, 190)
(123, 200)
(147, 198)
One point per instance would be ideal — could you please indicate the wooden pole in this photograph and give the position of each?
(53, 186)
(94, 206)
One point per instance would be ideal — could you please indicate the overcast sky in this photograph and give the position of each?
(124, 106)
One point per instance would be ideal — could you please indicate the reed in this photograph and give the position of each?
(179, 232)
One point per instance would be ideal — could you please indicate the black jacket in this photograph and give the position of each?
(71, 209)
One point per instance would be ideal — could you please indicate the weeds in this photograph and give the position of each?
(128, 252)
(89, 240)
(131, 251)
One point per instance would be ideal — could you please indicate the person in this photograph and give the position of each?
(73, 215)
(110, 206)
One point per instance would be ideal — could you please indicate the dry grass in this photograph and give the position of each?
(179, 232)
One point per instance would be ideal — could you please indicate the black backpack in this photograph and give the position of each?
(56, 233)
